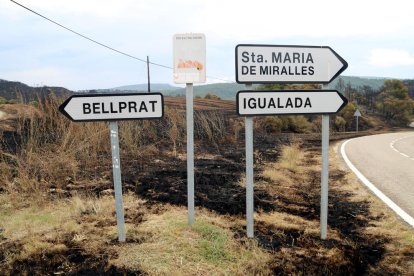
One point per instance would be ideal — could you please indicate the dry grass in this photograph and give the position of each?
(291, 158)
(160, 243)
(52, 151)
(55, 228)
(211, 126)
(289, 164)
(207, 248)
(288, 222)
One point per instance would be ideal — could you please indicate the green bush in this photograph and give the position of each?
(272, 124)
(211, 96)
(340, 123)
(299, 124)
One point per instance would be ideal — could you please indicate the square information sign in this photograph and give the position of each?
(189, 58)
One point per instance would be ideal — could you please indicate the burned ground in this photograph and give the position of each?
(287, 208)
(219, 188)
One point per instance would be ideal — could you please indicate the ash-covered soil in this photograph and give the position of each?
(219, 188)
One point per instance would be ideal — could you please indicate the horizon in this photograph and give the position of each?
(181, 86)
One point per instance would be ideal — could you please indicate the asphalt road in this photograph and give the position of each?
(387, 161)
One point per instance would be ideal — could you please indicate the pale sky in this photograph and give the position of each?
(376, 38)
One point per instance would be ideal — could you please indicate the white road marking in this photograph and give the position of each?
(406, 217)
(397, 140)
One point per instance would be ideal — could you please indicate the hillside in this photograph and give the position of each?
(144, 87)
(11, 90)
(355, 82)
(226, 91)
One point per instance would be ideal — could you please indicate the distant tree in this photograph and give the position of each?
(347, 115)
(394, 102)
(3, 100)
(272, 86)
(34, 103)
(211, 96)
(350, 92)
(367, 97)
(282, 86)
(410, 84)
(340, 86)
(306, 86)
(340, 123)
(396, 89)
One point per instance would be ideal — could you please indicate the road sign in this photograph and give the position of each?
(296, 102)
(287, 64)
(189, 58)
(112, 107)
(357, 114)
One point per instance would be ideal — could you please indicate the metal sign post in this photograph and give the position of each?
(249, 175)
(189, 68)
(190, 152)
(148, 75)
(324, 176)
(357, 123)
(116, 169)
(357, 114)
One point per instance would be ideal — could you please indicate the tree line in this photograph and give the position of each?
(393, 102)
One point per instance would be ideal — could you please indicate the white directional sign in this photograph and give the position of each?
(251, 103)
(103, 107)
(287, 64)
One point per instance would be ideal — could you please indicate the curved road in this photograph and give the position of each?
(387, 161)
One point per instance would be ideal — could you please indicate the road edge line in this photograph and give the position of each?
(400, 212)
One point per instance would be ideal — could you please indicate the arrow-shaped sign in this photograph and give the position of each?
(109, 107)
(287, 64)
(251, 103)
